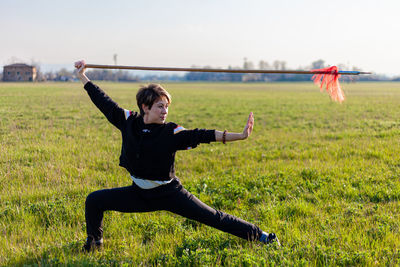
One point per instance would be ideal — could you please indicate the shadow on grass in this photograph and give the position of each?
(215, 251)
(70, 254)
(191, 252)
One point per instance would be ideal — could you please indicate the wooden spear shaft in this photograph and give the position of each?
(94, 66)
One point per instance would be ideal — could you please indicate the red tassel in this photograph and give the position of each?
(331, 80)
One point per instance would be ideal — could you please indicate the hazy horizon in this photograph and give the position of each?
(216, 33)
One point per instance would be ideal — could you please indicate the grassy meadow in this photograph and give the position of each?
(325, 177)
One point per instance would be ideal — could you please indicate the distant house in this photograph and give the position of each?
(19, 73)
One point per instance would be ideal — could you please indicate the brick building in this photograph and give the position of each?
(19, 73)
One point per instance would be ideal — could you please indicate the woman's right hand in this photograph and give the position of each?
(81, 67)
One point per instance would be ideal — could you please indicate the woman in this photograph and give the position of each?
(148, 153)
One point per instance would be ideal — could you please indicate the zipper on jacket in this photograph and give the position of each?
(139, 146)
(144, 131)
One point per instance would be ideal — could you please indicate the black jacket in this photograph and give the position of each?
(148, 150)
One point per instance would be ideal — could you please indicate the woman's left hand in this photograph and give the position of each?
(249, 126)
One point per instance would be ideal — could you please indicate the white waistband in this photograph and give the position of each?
(148, 184)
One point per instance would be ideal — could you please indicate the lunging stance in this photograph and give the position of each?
(148, 150)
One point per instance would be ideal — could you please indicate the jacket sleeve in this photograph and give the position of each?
(106, 105)
(188, 139)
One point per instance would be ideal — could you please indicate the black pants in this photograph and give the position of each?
(171, 197)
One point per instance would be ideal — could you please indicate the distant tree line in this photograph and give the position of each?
(130, 76)
(276, 65)
(65, 75)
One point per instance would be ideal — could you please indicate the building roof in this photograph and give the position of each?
(19, 65)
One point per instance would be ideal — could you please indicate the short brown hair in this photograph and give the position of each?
(149, 94)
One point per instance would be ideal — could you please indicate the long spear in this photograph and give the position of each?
(326, 76)
(95, 66)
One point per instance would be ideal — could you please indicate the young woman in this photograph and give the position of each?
(148, 154)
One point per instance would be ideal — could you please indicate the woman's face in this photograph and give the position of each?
(157, 113)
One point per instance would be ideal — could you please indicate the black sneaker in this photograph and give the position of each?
(91, 244)
(269, 239)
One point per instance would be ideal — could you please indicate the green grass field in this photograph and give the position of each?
(324, 176)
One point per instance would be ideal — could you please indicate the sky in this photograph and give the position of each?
(217, 33)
